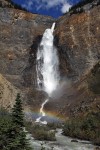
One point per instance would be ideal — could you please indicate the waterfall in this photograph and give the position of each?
(47, 63)
(47, 66)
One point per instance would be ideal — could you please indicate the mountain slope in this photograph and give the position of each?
(8, 93)
(78, 44)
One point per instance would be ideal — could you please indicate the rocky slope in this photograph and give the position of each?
(77, 38)
(7, 93)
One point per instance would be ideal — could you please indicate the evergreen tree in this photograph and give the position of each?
(5, 125)
(17, 134)
(12, 130)
(17, 112)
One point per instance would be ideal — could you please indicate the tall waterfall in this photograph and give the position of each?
(47, 66)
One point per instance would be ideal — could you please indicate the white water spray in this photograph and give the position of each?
(47, 66)
(42, 113)
(53, 27)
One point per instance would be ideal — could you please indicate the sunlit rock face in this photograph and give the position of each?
(77, 39)
(78, 46)
(20, 35)
(8, 93)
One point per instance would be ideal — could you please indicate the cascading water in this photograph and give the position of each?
(47, 67)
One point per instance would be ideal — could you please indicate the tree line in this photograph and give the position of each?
(80, 4)
(11, 4)
(12, 133)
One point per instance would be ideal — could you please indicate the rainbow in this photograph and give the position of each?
(49, 115)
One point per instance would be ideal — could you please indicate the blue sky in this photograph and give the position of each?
(54, 8)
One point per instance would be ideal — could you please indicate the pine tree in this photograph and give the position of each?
(5, 125)
(17, 134)
(12, 134)
(17, 112)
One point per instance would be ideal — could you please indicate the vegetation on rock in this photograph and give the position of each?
(87, 128)
(79, 7)
(81, 3)
(41, 132)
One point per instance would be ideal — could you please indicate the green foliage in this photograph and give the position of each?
(54, 125)
(17, 112)
(84, 128)
(41, 132)
(12, 135)
(5, 125)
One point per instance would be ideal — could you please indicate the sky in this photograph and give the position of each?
(54, 8)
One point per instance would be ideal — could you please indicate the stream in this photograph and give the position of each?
(62, 143)
(48, 80)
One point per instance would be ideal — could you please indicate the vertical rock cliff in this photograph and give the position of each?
(78, 42)
(20, 35)
(77, 38)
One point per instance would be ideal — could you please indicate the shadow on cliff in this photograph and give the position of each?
(29, 73)
(65, 68)
(33, 97)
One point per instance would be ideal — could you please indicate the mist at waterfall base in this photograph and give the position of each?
(47, 69)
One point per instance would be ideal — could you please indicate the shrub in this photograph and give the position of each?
(41, 132)
(88, 128)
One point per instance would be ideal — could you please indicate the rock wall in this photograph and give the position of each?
(78, 41)
(20, 34)
(18, 42)
(77, 38)
(8, 93)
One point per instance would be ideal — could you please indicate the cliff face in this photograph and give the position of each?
(20, 35)
(19, 31)
(78, 42)
(7, 93)
(77, 38)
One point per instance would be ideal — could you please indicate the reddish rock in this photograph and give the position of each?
(77, 38)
